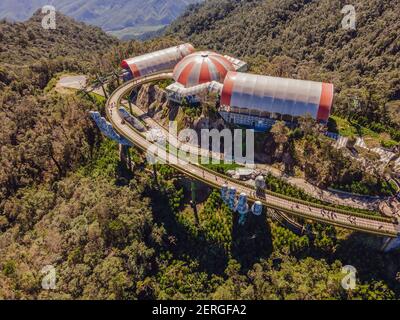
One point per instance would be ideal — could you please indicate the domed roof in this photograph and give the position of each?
(202, 67)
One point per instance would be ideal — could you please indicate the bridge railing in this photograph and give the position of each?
(158, 76)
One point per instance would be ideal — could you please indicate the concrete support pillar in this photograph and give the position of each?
(155, 174)
(194, 202)
(121, 153)
(124, 155)
(102, 86)
(130, 105)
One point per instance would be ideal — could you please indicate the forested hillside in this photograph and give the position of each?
(113, 232)
(26, 42)
(305, 39)
(42, 135)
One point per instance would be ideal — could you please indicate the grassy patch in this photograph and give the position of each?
(351, 130)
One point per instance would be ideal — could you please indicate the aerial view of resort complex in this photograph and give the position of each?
(200, 155)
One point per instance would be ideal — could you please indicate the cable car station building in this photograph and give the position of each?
(246, 99)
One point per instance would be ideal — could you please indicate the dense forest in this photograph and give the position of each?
(113, 232)
(304, 39)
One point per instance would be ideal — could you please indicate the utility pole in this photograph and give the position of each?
(102, 86)
(130, 166)
(117, 77)
(87, 94)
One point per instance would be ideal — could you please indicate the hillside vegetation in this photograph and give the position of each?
(305, 39)
(43, 135)
(110, 232)
(26, 42)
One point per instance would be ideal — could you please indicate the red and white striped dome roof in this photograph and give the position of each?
(202, 67)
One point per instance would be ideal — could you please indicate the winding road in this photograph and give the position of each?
(295, 207)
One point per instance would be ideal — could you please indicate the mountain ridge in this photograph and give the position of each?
(109, 15)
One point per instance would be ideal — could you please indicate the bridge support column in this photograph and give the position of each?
(124, 156)
(130, 105)
(194, 202)
(390, 244)
(155, 174)
(102, 86)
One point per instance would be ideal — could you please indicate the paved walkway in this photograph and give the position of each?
(78, 83)
(72, 82)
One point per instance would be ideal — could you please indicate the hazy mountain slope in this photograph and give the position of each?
(19, 10)
(308, 40)
(109, 15)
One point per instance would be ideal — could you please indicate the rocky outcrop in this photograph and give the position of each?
(153, 100)
(151, 97)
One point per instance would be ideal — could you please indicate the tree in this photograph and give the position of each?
(280, 134)
(376, 290)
